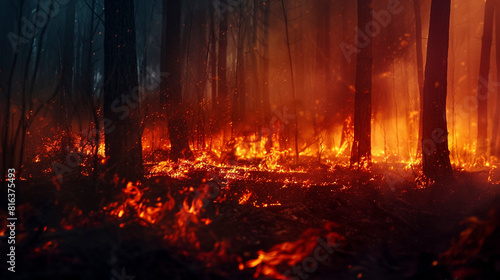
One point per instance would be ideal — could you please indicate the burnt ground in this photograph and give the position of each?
(392, 230)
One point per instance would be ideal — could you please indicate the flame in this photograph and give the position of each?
(471, 239)
(245, 197)
(136, 203)
(290, 253)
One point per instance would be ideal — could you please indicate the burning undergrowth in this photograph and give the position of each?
(203, 220)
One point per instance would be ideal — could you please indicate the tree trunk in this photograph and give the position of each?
(435, 153)
(239, 98)
(361, 148)
(496, 123)
(420, 69)
(122, 134)
(68, 50)
(343, 86)
(484, 71)
(67, 65)
(86, 85)
(266, 103)
(213, 56)
(254, 56)
(292, 76)
(222, 90)
(171, 87)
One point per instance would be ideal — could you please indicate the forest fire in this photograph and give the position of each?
(265, 139)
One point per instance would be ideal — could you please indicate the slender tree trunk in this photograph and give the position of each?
(323, 56)
(496, 123)
(86, 85)
(347, 112)
(67, 65)
(266, 103)
(213, 56)
(484, 72)
(256, 80)
(294, 100)
(238, 108)
(171, 87)
(68, 50)
(122, 135)
(420, 69)
(321, 53)
(435, 153)
(325, 88)
(7, 146)
(222, 90)
(361, 148)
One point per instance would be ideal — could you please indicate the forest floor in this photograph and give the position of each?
(195, 222)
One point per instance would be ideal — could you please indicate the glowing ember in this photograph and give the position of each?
(289, 254)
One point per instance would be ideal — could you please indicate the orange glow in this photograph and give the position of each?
(289, 253)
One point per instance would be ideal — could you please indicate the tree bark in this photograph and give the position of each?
(420, 69)
(361, 148)
(484, 71)
(435, 153)
(496, 123)
(222, 87)
(239, 98)
(213, 56)
(266, 103)
(67, 65)
(292, 76)
(122, 134)
(171, 87)
(343, 87)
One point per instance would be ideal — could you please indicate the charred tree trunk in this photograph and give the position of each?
(86, 85)
(254, 56)
(222, 90)
(171, 87)
(484, 71)
(347, 111)
(266, 103)
(323, 54)
(122, 133)
(239, 98)
(361, 148)
(292, 76)
(213, 56)
(435, 153)
(321, 119)
(420, 69)
(67, 65)
(496, 123)
(68, 50)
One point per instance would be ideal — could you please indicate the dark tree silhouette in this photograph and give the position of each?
(435, 153)
(484, 71)
(361, 148)
(266, 7)
(171, 87)
(292, 76)
(494, 151)
(239, 93)
(122, 131)
(67, 65)
(420, 68)
(213, 55)
(222, 87)
(343, 87)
